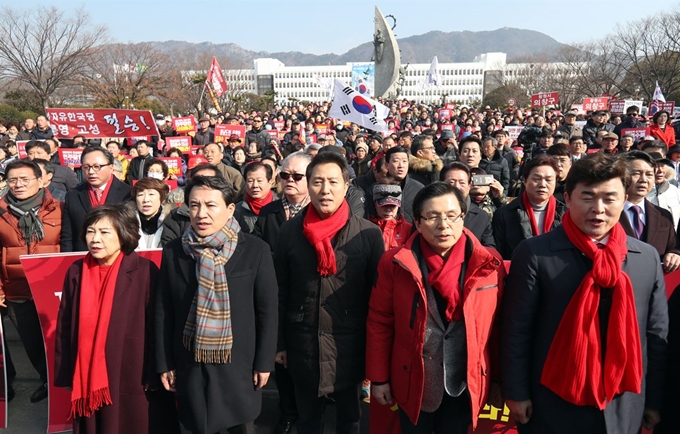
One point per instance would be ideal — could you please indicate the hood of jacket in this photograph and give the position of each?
(416, 164)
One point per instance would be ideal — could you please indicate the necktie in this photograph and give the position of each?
(98, 193)
(638, 227)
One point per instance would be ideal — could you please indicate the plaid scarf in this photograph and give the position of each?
(207, 331)
(293, 210)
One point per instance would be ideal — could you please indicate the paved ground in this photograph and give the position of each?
(27, 418)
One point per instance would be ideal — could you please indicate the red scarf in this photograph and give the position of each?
(93, 197)
(573, 368)
(90, 377)
(444, 275)
(549, 214)
(257, 204)
(320, 233)
(395, 232)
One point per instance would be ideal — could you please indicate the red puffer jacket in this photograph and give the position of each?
(13, 281)
(398, 314)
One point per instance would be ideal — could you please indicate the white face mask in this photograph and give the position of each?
(155, 175)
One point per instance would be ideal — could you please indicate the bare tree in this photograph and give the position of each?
(44, 47)
(123, 75)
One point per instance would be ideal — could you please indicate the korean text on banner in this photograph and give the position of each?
(182, 143)
(184, 125)
(223, 132)
(100, 123)
(594, 104)
(21, 148)
(616, 106)
(174, 165)
(637, 133)
(70, 156)
(216, 78)
(545, 99)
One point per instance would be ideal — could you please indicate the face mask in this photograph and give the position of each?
(158, 176)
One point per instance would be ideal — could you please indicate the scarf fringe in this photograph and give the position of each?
(207, 356)
(84, 407)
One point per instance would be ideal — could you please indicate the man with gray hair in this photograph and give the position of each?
(294, 199)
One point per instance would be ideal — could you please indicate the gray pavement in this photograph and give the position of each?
(27, 418)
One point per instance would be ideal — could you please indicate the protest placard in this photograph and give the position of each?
(99, 123)
(184, 125)
(174, 165)
(182, 143)
(70, 156)
(223, 132)
(545, 99)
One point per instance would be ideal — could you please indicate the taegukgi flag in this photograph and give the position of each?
(658, 96)
(434, 78)
(350, 105)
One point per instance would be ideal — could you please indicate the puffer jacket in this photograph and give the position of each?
(397, 318)
(13, 281)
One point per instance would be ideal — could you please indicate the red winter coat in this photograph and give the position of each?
(395, 232)
(398, 315)
(667, 136)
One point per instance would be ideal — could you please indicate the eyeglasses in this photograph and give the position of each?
(296, 176)
(434, 219)
(431, 148)
(95, 167)
(19, 181)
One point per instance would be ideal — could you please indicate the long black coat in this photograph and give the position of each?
(478, 222)
(77, 204)
(269, 222)
(129, 353)
(322, 321)
(544, 275)
(213, 397)
(511, 225)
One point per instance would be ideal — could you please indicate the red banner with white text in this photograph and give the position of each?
(99, 123)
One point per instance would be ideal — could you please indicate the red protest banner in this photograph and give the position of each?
(45, 275)
(216, 78)
(594, 104)
(450, 106)
(99, 123)
(321, 128)
(657, 106)
(637, 133)
(443, 127)
(279, 125)
(223, 132)
(545, 99)
(182, 143)
(616, 106)
(70, 156)
(444, 113)
(174, 165)
(21, 148)
(273, 133)
(133, 140)
(184, 125)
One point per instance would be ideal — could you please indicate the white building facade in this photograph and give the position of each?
(461, 81)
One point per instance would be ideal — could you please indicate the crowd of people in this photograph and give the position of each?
(356, 266)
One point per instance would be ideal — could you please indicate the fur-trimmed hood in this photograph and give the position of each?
(416, 164)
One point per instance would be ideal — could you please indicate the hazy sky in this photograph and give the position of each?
(324, 26)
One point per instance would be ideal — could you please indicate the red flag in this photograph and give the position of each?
(216, 78)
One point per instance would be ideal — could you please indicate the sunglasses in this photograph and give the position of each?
(389, 193)
(296, 176)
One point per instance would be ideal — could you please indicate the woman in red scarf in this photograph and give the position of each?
(103, 353)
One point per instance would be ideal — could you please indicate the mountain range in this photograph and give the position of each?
(448, 46)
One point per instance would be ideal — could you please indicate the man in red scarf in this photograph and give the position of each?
(432, 332)
(326, 262)
(583, 337)
(534, 212)
(259, 193)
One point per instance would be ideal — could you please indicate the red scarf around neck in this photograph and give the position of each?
(93, 197)
(573, 368)
(90, 376)
(444, 275)
(257, 204)
(549, 214)
(320, 233)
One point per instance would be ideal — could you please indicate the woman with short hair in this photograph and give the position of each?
(150, 195)
(103, 348)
